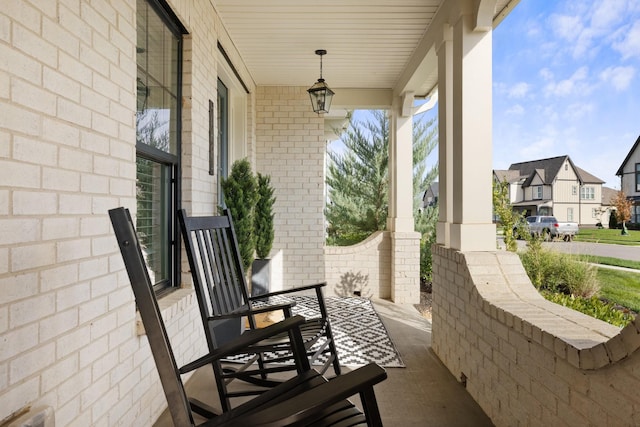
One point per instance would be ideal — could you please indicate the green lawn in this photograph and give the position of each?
(605, 235)
(610, 261)
(620, 287)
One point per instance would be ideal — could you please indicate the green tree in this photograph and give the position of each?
(240, 196)
(507, 216)
(358, 181)
(264, 216)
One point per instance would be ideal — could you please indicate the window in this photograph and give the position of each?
(574, 190)
(587, 193)
(159, 58)
(537, 192)
(594, 213)
(637, 177)
(223, 137)
(570, 214)
(635, 214)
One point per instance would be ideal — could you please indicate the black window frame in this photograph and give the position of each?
(173, 162)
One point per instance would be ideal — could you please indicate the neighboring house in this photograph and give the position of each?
(430, 196)
(607, 209)
(554, 186)
(629, 173)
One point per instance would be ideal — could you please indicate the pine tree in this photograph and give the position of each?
(240, 196)
(358, 179)
(264, 216)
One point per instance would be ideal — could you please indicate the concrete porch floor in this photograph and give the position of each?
(422, 394)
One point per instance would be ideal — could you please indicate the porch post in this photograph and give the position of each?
(444, 50)
(472, 228)
(405, 242)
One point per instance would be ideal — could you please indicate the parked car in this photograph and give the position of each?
(546, 226)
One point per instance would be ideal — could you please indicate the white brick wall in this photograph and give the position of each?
(528, 361)
(365, 267)
(67, 154)
(290, 147)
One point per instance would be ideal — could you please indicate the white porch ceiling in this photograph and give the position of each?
(369, 43)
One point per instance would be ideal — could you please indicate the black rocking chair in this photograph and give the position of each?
(220, 284)
(306, 399)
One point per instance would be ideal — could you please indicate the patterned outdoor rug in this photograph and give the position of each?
(359, 333)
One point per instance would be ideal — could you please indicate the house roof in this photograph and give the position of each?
(626, 159)
(607, 195)
(507, 175)
(548, 169)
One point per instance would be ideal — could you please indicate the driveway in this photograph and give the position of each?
(597, 249)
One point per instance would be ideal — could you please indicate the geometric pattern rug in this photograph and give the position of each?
(359, 333)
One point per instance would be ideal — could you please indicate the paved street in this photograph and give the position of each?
(597, 249)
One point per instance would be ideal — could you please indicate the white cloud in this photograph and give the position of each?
(515, 110)
(576, 84)
(577, 111)
(630, 45)
(519, 90)
(619, 77)
(538, 149)
(566, 27)
(546, 74)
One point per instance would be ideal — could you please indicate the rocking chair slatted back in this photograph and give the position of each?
(217, 272)
(218, 266)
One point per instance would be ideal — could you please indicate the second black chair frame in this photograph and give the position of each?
(223, 296)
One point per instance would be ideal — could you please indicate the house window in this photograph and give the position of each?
(537, 192)
(569, 214)
(637, 177)
(635, 214)
(223, 137)
(158, 120)
(594, 213)
(574, 190)
(587, 193)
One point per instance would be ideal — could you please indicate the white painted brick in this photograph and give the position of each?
(59, 179)
(58, 276)
(19, 119)
(73, 113)
(65, 41)
(18, 231)
(20, 339)
(22, 312)
(71, 342)
(70, 250)
(58, 372)
(20, 64)
(4, 319)
(72, 296)
(74, 204)
(31, 362)
(32, 97)
(60, 132)
(54, 228)
(69, 17)
(21, 395)
(32, 256)
(93, 351)
(5, 28)
(29, 42)
(75, 160)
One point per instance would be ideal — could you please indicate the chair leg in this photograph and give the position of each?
(333, 349)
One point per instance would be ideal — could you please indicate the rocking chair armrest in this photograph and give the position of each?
(248, 312)
(243, 342)
(289, 291)
(308, 404)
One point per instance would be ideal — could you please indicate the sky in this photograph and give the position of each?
(566, 81)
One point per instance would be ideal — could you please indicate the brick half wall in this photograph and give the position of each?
(364, 268)
(525, 360)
